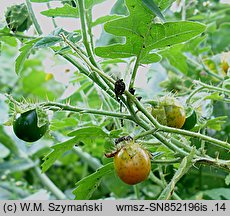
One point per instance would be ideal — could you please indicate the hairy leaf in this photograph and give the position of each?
(86, 186)
(143, 36)
(57, 152)
(25, 52)
(216, 123)
(88, 132)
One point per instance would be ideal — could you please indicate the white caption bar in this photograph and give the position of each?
(114, 207)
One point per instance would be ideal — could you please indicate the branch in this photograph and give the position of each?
(58, 106)
(33, 18)
(134, 73)
(82, 13)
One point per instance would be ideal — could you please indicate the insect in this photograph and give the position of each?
(119, 88)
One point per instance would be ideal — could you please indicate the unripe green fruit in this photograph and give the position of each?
(26, 127)
(17, 18)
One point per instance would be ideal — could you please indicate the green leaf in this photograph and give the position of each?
(86, 186)
(143, 36)
(57, 152)
(154, 8)
(215, 96)
(173, 54)
(82, 134)
(88, 3)
(25, 52)
(220, 39)
(88, 132)
(47, 41)
(65, 11)
(105, 19)
(185, 165)
(218, 193)
(216, 123)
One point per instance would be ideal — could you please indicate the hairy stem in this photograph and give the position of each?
(33, 18)
(82, 13)
(59, 106)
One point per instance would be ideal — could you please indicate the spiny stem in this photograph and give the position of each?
(59, 106)
(204, 85)
(193, 93)
(217, 142)
(33, 18)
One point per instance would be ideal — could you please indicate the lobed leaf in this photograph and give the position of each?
(143, 36)
(57, 152)
(24, 54)
(86, 186)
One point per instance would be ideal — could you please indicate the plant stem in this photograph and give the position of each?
(183, 17)
(204, 85)
(49, 184)
(53, 19)
(85, 59)
(193, 93)
(86, 157)
(162, 185)
(82, 13)
(188, 133)
(134, 73)
(88, 74)
(33, 18)
(137, 192)
(166, 161)
(59, 106)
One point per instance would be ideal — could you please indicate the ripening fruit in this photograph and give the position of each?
(169, 112)
(132, 163)
(26, 127)
(18, 18)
